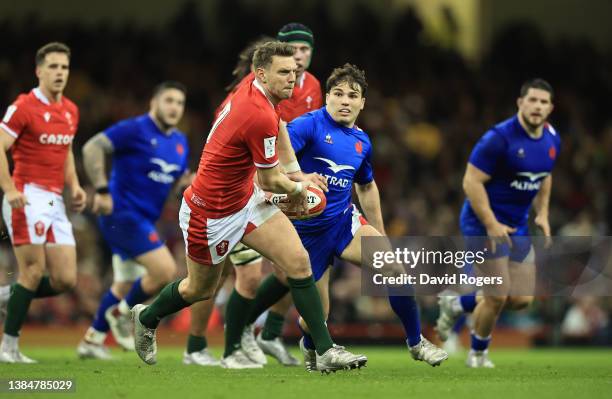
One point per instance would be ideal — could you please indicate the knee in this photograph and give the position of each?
(519, 302)
(64, 283)
(31, 278)
(193, 293)
(298, 264)
(247, 284)
(163, 275)
(496, 302)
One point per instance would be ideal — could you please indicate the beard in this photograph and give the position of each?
(530, 125)
(163, 122)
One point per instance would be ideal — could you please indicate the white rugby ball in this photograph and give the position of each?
(316, 203)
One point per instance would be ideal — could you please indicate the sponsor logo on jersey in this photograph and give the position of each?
(520, 153)
(269, 147)
(164, 175)
(334, 167)
(328, 139)
(534, 183)
(56, 139)
(222, 248)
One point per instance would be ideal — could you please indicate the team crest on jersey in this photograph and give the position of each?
(309, 102)
(39, 229)
(359, 147)
(520, 153)
(552, 152)
(328, 139)
(180, 149)
(153, 236)
(47, 116)
(222, 248)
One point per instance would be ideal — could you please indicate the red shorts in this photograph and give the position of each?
(208, 241)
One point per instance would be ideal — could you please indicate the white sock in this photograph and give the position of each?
(124, 308)
(9, 342)
(5, 292)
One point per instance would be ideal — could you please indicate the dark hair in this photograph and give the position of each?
(264, 53)
(536, 83)
(53, 47)
(348, 73)
(245, 59)
(296, 32)
(170, 84)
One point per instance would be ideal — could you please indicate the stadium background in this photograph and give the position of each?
(440, 72)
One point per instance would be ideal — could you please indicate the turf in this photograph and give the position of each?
(390, 374)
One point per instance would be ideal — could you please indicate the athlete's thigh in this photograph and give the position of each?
(276, 239)
(203, 279)
(61, 262)
(495, 268)
(352, 252)
(31, 264)
(158, 260)
(522, 278)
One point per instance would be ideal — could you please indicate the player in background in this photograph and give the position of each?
(306, 97)
(149, 155)
(39, 128)
(223, 206)
(508, 171)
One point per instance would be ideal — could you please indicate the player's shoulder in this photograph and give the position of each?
(552, 132)
(127, 124)
(506, 126)
(310, 79)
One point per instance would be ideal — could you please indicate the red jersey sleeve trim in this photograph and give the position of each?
(266, 166)
(8, 130)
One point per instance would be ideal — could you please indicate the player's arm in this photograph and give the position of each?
(15, 198)
(540, 204)
(94, 158)
(271, 179)
(77, 194)
(369, 198)
(474, 187)
(289, 162)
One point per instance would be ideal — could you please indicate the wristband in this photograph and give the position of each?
(298, 188)
(102, 190)
(292, 167)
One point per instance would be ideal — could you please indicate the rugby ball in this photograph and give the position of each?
(316, 203)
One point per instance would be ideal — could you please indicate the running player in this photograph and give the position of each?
(223, 207)
(329, 143)
(149, 156)
(39, 128)
(508, 171)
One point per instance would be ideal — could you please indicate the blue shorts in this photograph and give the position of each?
(476, 240)
(324, 245)
(129, 234)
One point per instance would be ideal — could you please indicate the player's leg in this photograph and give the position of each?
(31, 266)
(197, 351)
(270, 340)
(292, 258)
(405, 307)
(488, 310)
(522, 271)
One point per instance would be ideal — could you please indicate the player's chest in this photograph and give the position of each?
(531, 156)
(52, 126)
(158, 153)
(337, 153)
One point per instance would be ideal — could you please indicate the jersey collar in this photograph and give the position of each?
(259, 87)
(40, 96)
(302, 79)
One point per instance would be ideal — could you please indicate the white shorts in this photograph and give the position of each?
(209, 241)
(42, 221)
(126, 271)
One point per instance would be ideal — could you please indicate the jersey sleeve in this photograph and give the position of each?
(301, 131)
(15, 119)
(260, 139)
(122, 135)
(487, 152)
(365, 174)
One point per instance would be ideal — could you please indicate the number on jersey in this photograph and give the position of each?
(220, 118)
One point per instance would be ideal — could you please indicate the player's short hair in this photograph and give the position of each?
(264, 53)
(347, 73)
(536, 83)
(245, 59)
(170, 84)
(53, 47)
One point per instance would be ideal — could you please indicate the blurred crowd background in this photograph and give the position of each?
(430, 98)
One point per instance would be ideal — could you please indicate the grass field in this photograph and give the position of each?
(390, 374)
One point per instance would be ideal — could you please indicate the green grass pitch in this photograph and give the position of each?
(390, 374)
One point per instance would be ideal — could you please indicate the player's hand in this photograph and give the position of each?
(499, 233)
(16, 199)
(542, 222)
(79, 199)
(102, 204)
(314, 179)
(299, 201)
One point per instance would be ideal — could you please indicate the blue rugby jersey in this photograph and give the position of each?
(146, 163)
(517, 164)
(340, 153)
